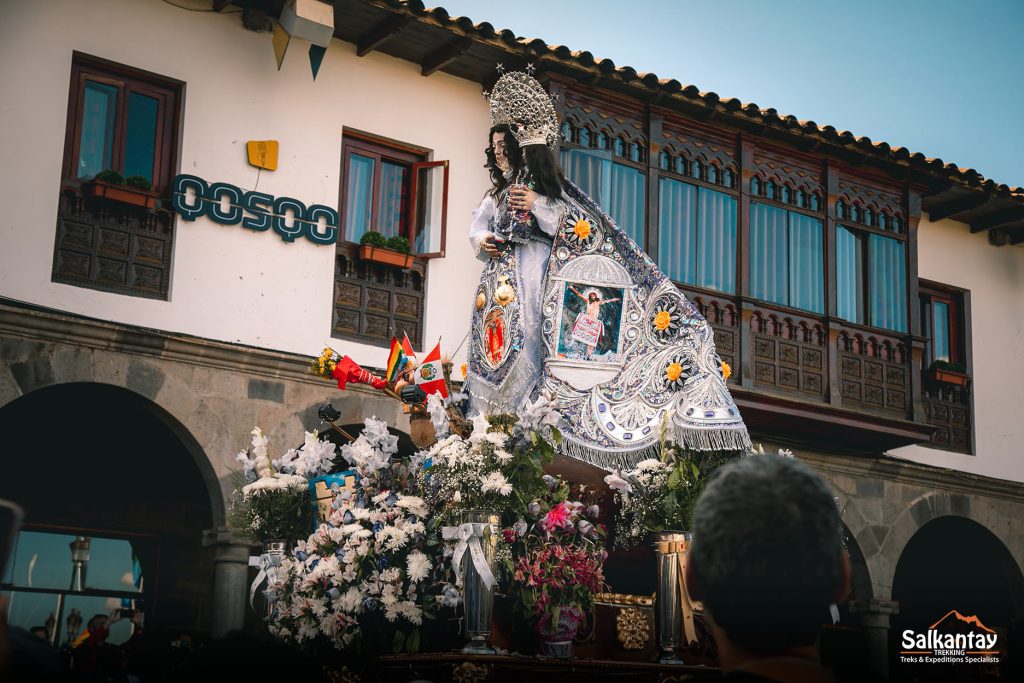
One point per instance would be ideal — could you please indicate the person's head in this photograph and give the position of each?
(97, 621)
(39, 632)
(767, 557)
(503, 154)
(592, 297)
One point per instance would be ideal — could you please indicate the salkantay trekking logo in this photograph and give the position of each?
(953, 639)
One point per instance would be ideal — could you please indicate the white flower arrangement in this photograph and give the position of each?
(363, 578)
(274, 503)
(468, 473)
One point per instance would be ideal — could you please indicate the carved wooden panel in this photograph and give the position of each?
(786, 178)
(721, 313)
(373, 302)
(603, 125)
(866, 202)
(102, 244)
(698, 154)
(874, 373)
(789, 354)
(948, 408)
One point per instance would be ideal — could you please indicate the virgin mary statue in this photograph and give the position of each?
(569, 306)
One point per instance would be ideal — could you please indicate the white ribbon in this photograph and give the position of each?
(468, 536)
(268, 565)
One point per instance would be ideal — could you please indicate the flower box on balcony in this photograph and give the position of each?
(126, 194)
(947, 376)
(388, 257)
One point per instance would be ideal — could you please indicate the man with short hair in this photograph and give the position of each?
(767, 560)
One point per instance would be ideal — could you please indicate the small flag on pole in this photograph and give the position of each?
(407, 347)
(430, 374)
(396, 361)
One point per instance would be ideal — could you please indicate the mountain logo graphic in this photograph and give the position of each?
(953, 633)
(954, 622)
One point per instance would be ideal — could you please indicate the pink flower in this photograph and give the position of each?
(557, 517)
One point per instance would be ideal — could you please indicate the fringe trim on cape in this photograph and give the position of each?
(690, 439)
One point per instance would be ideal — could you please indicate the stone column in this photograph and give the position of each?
(874, 620)
(230, 579)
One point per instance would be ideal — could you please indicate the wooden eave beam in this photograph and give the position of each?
(444, 56)
(997, 220)
(958, 205)
(381, 33)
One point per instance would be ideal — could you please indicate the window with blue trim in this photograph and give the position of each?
(697, 235)
(786, 258)
(871, 279)
(619, 188)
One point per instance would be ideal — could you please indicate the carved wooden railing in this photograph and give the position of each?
(373, 302)
(106, 245)
(948, 408)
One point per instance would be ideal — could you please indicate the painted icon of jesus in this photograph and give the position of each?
(589, 326)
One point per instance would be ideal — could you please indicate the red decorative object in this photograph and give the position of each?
(347, 370)
(556, 638)
(388, 257)
(125, 194)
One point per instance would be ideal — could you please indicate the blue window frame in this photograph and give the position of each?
(786, 258)
(697, 235)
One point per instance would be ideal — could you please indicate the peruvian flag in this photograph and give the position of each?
(430, 375)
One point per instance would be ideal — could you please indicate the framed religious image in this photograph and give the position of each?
(590, 322)
(495, 337)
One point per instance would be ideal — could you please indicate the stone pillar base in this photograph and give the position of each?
(874, 619)
(230, 579)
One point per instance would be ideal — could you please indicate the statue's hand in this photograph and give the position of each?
(490, 246)
(522, 198)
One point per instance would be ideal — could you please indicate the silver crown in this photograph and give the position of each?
(519, 101)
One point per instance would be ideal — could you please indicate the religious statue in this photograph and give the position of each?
(570, 306)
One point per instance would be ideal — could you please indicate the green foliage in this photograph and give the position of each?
(374, 239)
(664, 493)
(110, 176)
(285, 513)
(139, 181)
(946, 365)
(399, 243)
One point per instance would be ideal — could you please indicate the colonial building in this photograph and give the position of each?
(866, 297)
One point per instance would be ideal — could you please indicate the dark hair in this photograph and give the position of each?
(544, 171)
(767, 552)
(512, 153)
(89, 624)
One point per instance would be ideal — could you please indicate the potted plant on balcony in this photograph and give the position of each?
(394, 251)
(948, 373)
(134, 190)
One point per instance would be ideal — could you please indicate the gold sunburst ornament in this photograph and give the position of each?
(505, 293)
(676, 372)
(665, 323)
(578, 230)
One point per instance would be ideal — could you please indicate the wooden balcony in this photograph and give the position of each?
(806, 380)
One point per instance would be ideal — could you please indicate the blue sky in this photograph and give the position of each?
(940, 77)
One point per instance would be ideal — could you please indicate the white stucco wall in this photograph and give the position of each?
(950, 254)
(229, 283)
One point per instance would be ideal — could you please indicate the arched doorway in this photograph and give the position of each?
(954, 563)
(102, 462)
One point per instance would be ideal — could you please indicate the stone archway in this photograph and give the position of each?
(931, 506)
(954, 566)
(99, 460)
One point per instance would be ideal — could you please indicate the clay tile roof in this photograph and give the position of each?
(673, 88)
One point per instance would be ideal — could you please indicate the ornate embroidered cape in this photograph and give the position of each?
(625, 352)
